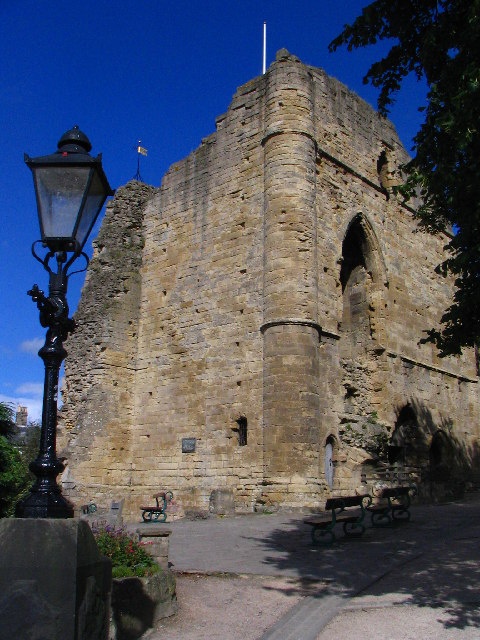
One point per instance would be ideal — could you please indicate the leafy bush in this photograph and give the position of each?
(14, 477)
(7, 420)
(129, 558)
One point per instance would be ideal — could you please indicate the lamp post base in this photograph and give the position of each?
(44, 505)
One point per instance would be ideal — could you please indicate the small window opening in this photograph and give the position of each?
(384, 173)
(354, 248)
(242, 431)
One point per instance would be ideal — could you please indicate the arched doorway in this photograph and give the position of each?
(362, 277)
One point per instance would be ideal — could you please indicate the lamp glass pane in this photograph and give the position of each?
(93, 203)
(60, 193)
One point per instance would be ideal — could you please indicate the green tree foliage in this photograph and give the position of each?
(14, 477)
(438, 41)
(7, 417)
(7, 411)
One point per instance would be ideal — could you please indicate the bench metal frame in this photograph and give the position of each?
(157, 513)
(395, 509)
(349, 510)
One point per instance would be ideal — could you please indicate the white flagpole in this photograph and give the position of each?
(264, 46)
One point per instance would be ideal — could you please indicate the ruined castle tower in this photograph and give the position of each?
(253, 325)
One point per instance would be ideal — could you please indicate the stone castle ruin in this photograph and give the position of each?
(251, 329)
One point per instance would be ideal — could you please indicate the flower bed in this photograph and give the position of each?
(129, 557)
(142, 592)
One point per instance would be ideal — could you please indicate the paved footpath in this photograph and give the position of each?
(257, 577)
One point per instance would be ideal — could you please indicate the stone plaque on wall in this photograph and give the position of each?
(188, 445)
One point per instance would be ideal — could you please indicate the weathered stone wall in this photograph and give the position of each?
(268, 300)
(200, 351)
(96, 422)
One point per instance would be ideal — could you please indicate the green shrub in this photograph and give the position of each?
(14, 478)
(129, 558)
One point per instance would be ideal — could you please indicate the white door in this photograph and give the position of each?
(329, 464)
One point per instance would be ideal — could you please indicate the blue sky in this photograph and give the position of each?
(130, 70)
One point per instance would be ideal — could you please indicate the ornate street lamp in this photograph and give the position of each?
(71, 189)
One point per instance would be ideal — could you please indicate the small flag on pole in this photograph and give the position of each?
(141, 151)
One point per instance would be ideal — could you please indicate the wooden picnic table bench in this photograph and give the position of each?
(349, 510)
(393, 505)
(158, 513)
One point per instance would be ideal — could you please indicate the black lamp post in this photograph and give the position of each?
(71, 188)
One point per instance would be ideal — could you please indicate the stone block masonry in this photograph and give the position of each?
(257, 319)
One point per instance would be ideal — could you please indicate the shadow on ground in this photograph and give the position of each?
(433, 561)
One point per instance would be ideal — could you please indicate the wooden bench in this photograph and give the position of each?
(393, 506)
(158, 513)
(349, 510)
